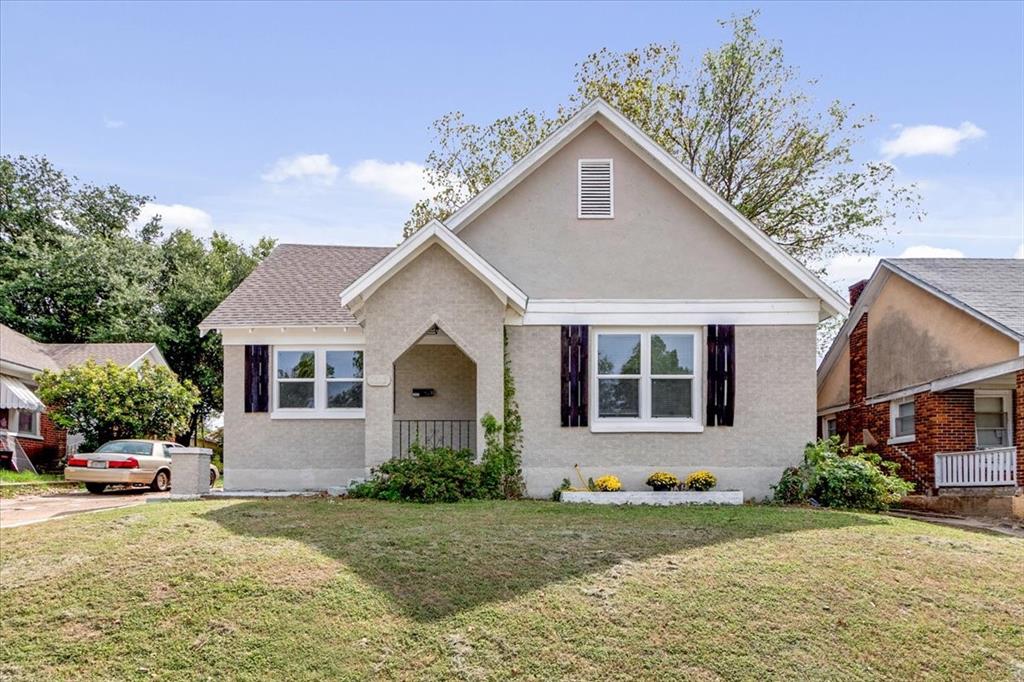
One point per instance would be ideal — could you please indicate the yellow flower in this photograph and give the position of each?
(608, 484)
(701, 480)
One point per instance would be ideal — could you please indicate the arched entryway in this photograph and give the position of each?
(434, 395)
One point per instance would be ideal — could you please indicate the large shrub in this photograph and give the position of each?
(427, 475)
(836, 475)
(104, 402)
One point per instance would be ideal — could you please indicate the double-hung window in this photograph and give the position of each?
(318, 383)
(992, 419)
(21, 423)
(646, 380)
(901, 421)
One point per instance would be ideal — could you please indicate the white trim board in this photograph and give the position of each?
(616, 312)
(668, 167)
(433, 233)
(275, 336)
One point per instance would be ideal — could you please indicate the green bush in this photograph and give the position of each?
(501, 475)
(427, 475)
(835, 475)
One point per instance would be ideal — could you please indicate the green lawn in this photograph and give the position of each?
(337, 589)
(42, 483)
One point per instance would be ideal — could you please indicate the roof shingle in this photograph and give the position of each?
(993, 287)
(297, 285)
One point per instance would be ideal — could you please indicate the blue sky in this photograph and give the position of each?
(306, 122)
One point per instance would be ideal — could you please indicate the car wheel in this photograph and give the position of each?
(161, 482)
(213, 477)
(96, 488)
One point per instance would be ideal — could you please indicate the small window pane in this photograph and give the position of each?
(295, 394)
(26, 422)
(672, 354)
(989, 421)
(832, 425)
(672, 398)
(905, 426)
(345, 394)
(618, 397)
(988, 404)
(992, 438)
(905, 409)
(345, 364)
(618, 354)
(295, 364)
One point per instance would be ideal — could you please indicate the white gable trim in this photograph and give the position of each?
(673, 171)
(777, 311)
(433, 233)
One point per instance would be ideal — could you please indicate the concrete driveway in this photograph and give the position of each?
(28, 509)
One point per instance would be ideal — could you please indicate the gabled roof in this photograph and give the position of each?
(18, 349)
(991, 290)
(297, 285)
(678, 175)
(125, 354)
(990, 287)
(433, 233)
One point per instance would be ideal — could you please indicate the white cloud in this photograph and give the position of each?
(402, 178)
(315, 167)
(846, 269)
(177, 216)
(111, 124)
(930, 139)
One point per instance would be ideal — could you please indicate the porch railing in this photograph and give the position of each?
(997, 466)
(456, 434)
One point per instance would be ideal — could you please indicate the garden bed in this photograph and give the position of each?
(658, 498)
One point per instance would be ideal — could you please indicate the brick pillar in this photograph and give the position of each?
(1018, 426)
(858, 379)
(856, 290)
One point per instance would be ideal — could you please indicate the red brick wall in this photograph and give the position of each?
(858, 380)
(1018, 426)
(48, 452)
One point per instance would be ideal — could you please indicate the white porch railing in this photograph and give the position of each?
(997, 466)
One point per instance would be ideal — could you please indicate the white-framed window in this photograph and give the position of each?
(317, 382)
(646, 380)
(20, 423)
(595, 189)
(992, 425)
(901, 421)
(829, 426)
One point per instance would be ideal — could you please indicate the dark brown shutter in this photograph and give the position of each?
(721, 408)
(574, 375)
(257, 378)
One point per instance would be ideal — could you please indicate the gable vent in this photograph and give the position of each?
(595, 188)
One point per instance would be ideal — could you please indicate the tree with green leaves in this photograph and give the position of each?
(106, 402)
(740, 119)
(75, 266)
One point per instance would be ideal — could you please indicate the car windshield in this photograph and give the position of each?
(126, 447)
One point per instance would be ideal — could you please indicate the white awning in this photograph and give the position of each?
(14, 394)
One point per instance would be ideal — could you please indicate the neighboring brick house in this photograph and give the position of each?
(929, 369)
(24, 422)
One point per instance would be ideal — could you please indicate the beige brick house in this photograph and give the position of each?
(647, 324)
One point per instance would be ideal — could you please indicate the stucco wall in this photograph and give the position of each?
(658, 245)
(914, 337)
(433, 289)
(835, 389)
(261, 453)
(444, 368)
(775, 415)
